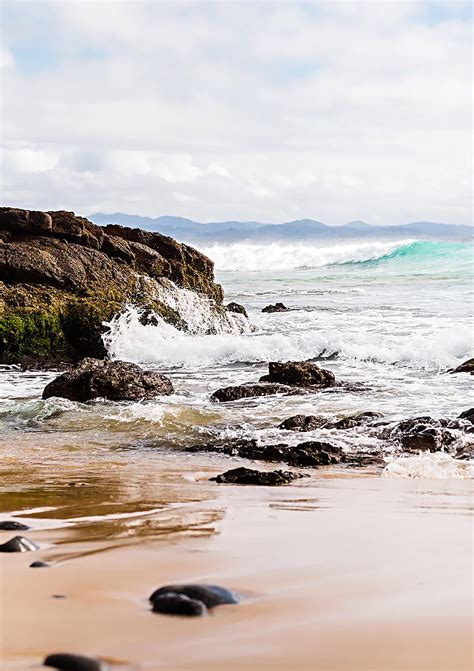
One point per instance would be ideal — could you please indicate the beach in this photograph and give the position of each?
(341, 572)
(364, 563)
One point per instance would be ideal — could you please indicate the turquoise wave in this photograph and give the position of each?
(424, 255)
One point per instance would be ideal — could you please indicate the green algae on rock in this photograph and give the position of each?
(62, 277)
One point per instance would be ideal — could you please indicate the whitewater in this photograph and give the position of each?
(388, 317)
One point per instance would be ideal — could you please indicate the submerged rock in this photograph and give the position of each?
(114, 380)
(235, 393)
(190, 600)
(11, 525)
(64, 661)
(465, 367)
(19, 544)
(307, 454)
(249, 476)
(303, 423)
(277, 307)
(209, 595)
(298, 373)
(237, 308)
(62, 277)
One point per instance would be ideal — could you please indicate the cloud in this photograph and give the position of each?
(227, 110)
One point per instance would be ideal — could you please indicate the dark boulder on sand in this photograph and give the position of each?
(64, 661)
(19, 544)
(277, 307)
(11, 525)
(299, 374)
(209, 595)
(465, 367)
(250, 476)
(114, 380)
(237, 392)
(190, 600)
(237, 309)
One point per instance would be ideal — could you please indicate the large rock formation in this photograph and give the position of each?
(61, 277)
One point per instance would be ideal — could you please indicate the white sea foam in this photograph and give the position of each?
(428, 465)
(299, 336)
(246, 256)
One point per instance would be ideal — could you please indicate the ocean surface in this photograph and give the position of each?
(390, 318)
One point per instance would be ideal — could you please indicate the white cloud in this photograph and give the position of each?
(332, 110)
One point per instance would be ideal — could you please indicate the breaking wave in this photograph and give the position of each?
(250, 257)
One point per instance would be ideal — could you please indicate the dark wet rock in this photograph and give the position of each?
(19, 544)
(178, 604)
(313, 453)
(465, 367)
(62, 277)
(465, 452)
(298, 373)
(209, 595)
(358, 419)
(312, 422)
(39, 564)
(277, 307)
(237, 308)
(249, 476)
(114, 380)
(11, 525)
(237, 392)
(68, 662)
(303, 423)
(308, 454)
(468, 415)
(424, 434)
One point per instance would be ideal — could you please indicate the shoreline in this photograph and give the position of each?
(366, 573)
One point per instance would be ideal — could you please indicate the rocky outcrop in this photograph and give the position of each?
(298, 373)
(277, 307)
(114, 380)
(283, 378)
(465, 367)
(61, 277)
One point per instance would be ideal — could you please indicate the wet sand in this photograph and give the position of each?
(337, 572)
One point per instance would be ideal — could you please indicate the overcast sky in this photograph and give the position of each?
(264, 111)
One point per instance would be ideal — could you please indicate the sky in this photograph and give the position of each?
(259, 111)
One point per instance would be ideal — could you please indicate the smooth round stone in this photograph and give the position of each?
(11, 525)
(210, 595)
(39, 564)
(67, 662)
(178, 604)
(19, 544)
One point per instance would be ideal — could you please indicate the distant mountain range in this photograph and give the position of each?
(302, 229)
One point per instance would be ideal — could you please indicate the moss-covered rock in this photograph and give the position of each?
(62, 277)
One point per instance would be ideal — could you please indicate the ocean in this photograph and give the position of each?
(387, 317)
